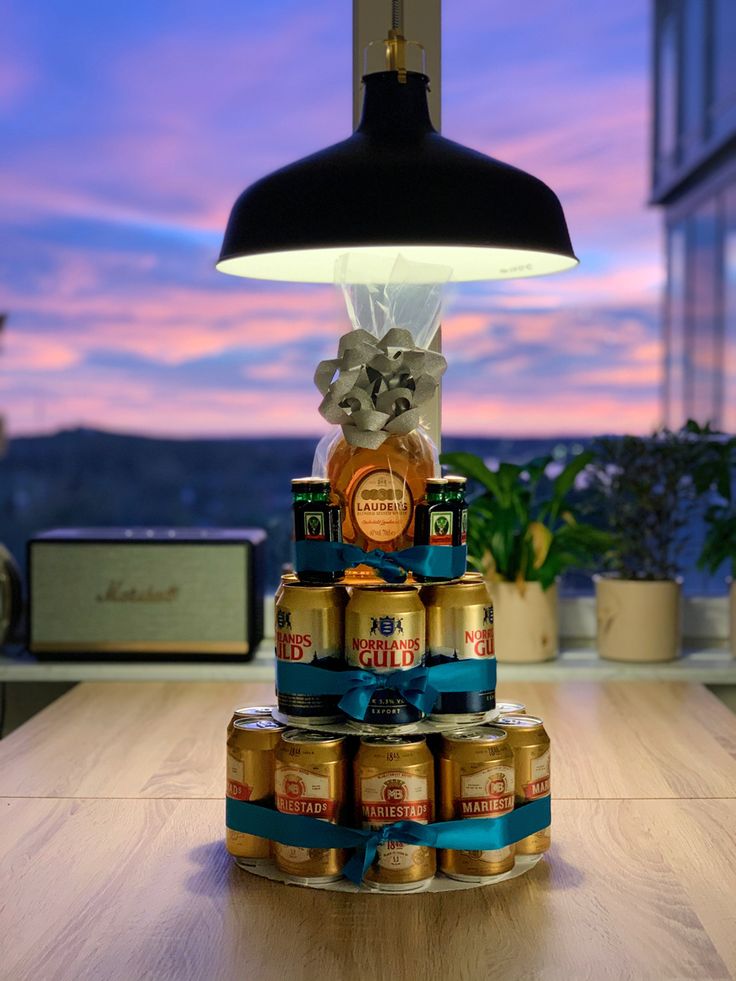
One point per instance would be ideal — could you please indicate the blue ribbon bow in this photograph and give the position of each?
(471, 834)
(431, 561)
(420, 686)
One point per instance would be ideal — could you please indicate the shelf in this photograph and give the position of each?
(709, 666)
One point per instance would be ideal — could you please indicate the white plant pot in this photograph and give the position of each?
(637, 620)
(525, 623)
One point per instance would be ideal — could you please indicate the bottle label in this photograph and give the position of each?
(383, 505)
(395, 796)
(469, 635)
(539, 782)
(236, 785)
(440, 527)
(464, 528)
(308, 636)
(314, 526)
(299, 791)
(486, 793)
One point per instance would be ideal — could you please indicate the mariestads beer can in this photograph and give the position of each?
(394, 781)
(385, 632)
(530, 744)
(476, 781)
(251, 747)
(249, 712)
(460, 628)
(309, 631)
(311, 778)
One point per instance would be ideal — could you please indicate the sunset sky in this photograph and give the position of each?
(127, 131)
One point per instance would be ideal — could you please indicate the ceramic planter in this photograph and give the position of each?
(526, 623)
(637, 620)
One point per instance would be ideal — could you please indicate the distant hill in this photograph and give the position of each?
(85, 477)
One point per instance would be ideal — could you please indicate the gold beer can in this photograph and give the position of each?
(250, 769)
(385, 631)
(459, 628)
(511, 708)
(249, 712)
(311, 779)
(476, 781)
(394, 781)
(530, 744)
(309, 631)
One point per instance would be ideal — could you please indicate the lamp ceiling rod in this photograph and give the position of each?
(420, 20)
(425, 24)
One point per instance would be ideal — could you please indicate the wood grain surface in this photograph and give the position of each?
(163, 740)
(103, 890)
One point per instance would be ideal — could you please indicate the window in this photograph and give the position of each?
(676, 334)
(693, 77)
(703, 348)
(667, 87)
(729, 312)
(723, 104)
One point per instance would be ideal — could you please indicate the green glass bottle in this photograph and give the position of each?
(316, 519)
(434, 519)
(456, 498)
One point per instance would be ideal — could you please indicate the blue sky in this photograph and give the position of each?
(128, 131)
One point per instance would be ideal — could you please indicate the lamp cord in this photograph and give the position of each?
(397, 16)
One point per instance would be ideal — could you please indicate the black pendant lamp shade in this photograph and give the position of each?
(397, 187)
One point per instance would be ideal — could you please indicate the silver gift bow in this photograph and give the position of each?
(376, 388)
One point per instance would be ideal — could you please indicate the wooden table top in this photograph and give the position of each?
(112, 864)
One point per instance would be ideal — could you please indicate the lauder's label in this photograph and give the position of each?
(488, 792)
(382, 505)
(539, 783)
(119, 592)
(395, 796)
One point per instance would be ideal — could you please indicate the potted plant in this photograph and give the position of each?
(646, 490)
(719, 546)
(522, 535)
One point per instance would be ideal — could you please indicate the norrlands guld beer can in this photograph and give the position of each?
(530, 744)
(460, 628)
(249, 773)
(249, 712)
(309, 631)
(476, 781)
(394, 781)
(311, 779)
(385, 631)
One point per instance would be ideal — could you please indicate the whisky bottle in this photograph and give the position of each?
(378, 491)
(316, 519)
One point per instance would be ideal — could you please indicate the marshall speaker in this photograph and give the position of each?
(158, 593)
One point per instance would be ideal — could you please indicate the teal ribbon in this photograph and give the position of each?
(471, 834)
(429, 561)
(419, 686)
